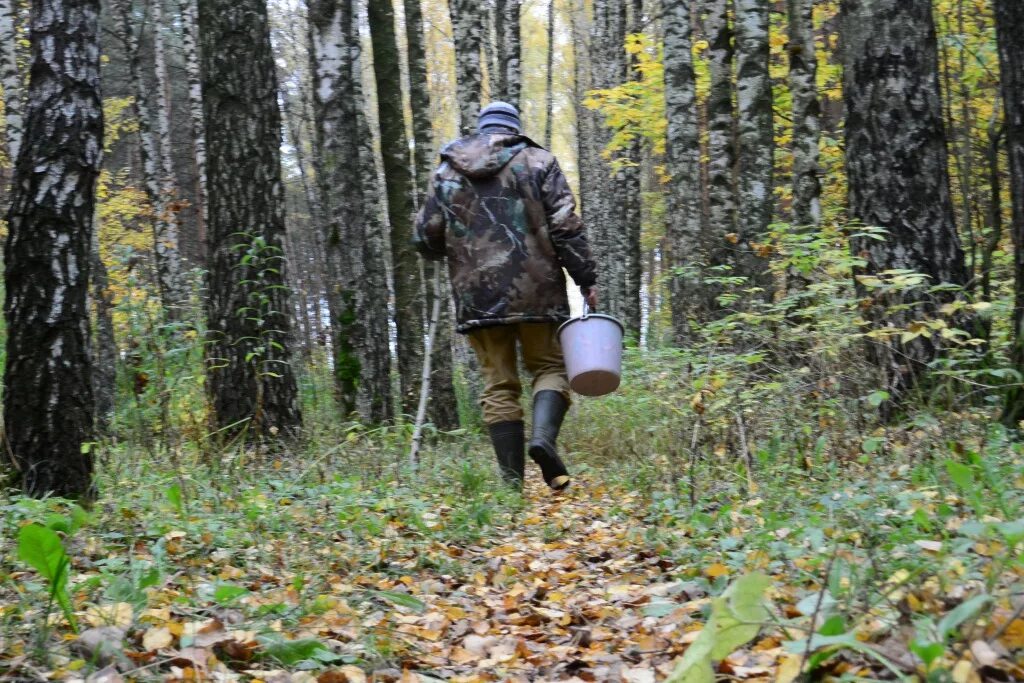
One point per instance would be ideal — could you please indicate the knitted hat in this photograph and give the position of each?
(500, 114)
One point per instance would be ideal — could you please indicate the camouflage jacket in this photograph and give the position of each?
(502, 212)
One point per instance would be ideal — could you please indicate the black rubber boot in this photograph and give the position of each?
(548, 412)
(508, 439)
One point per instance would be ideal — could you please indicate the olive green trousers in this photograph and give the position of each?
(495, 348)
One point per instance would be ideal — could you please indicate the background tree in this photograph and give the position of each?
(507, 77)
(398, 181)
(896, 163)
(443, 407)
(468, 29)
(683, 161)
(10, 77)
(357, 309)
(755, 138)
(803, 84)
(1010, 30)
(250, 375)
(48, 398)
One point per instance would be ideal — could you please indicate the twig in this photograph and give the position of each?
(817, 610)
(428, 351)
(693, 461)
(747, 457)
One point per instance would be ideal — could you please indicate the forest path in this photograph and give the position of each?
(573, 591)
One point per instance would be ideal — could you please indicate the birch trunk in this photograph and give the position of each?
(104, 377)
(755, 138)
(897, 166)
(48, 397)
(250, 376)
(10, 78)
(398, 178)
(468, 27)
(803, 86)
(631, 195)
(683, 160)
(168, 190)
(721, 151)
(507, 78)
(1010, 32)
(187, 10)
(443, 408)
(165, 248)
(358, 310)
(549, 89)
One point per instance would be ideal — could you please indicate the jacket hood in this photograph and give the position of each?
(484, 154)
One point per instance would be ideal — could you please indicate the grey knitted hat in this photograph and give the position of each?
(500, 114)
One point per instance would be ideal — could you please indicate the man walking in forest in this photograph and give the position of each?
(502, 212)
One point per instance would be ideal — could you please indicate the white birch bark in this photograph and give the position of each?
(803, 71)
(164, 249)
(187, 13)
(683, 157)
(10, 78)
(755, 137)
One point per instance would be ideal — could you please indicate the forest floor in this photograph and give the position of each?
(282, 572)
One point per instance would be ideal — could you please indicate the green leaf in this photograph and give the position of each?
(962, 475)
(228, 592)
(174, 495)
(877, 398)
(659, 609)
(964, 611)
(402, 600)
(291, 652)
(927, 652)
(40, 548)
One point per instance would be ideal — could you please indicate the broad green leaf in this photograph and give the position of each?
(227, 592)
(291, 652)
(41, 548)
(402, 600)
(961, 474)
(927, 652)
(961, 613)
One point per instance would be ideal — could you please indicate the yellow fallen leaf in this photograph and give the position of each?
(964, 672)
(118, 614)
(157, 638)
(716, 570)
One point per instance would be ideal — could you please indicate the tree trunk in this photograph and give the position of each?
(48, 399)
(187, 10)
(631, 197)
(165, 240)
(468, 26)
(549, 89)
(683, 160)
(168, 189)
(104, 376)
(10, 78)
(721, 141)
(1010, 32)
(250, 377)
(359, 315)
(897, 167)
(755, 138)
(803, 86)
(398, 177)
(507, 80)
(443, 408)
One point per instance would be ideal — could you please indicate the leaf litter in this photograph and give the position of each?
(347, 583)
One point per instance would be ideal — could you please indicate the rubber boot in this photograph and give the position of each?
(508, 439)
(549, 409)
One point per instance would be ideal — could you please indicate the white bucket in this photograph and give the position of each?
(592, 345)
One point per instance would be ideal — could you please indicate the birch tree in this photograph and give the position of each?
(165, 230)
(443, 409)
(250, 376)
(683, 160)
(897, 168)
(507, 77)
(755, 137)
(48, 397)
(358, 311)
(1010, 33)
(468, 27)
(803, 73)
(10, 78)
(187, 17)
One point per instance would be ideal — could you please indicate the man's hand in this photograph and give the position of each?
(590, 296)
